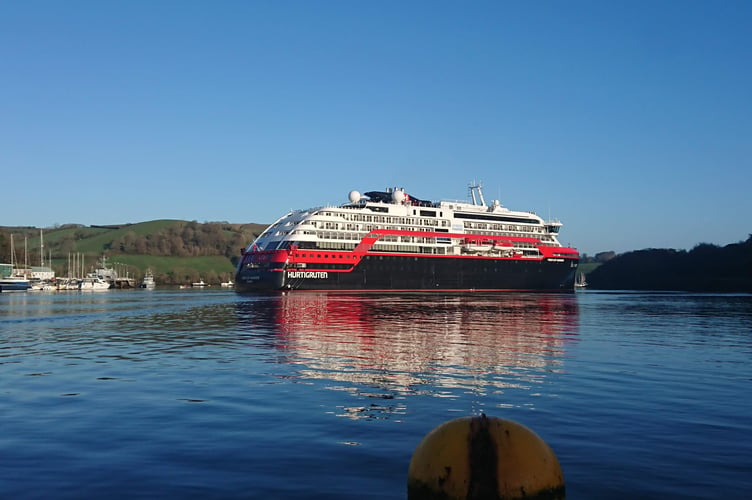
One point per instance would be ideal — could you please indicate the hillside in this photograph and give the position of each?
(706, 268)
(176, 251)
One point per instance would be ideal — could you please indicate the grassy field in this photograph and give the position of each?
(587, 268)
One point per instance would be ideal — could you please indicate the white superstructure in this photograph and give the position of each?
(344, 227)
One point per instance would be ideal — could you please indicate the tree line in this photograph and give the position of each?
(191, 239)
(706, 268)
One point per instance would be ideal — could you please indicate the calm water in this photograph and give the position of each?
(209, 394)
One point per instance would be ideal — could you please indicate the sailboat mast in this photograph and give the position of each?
(12, 255)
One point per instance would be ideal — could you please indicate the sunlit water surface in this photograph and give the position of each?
(196, 394)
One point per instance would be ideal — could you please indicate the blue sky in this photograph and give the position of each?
(629, 121)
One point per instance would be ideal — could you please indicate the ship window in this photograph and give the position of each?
(497, 218)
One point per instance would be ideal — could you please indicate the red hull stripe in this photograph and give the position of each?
(363, 248)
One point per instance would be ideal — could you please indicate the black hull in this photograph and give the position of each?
(384, 272)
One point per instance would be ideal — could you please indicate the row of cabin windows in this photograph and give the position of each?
(503, 227)
(517, 244)
(344, 235)
(337, 240)
(497, 218)
(382, 248)
(487, 265)
(354, 227)
(386, 219)
(325, 237)
(328, 256)
(427, 222)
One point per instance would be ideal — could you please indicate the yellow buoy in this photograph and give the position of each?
(472, 458)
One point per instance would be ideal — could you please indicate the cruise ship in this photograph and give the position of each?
(393, 241)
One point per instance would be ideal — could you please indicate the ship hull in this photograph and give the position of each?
(394, 273)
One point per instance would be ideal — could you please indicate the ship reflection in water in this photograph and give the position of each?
(390, 347)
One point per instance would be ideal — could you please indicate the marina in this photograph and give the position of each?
(14, 278)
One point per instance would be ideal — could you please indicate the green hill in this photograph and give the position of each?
(177, 251)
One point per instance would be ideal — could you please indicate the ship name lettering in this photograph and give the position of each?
(307, 274)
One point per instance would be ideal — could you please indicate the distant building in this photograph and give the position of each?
(42, 273)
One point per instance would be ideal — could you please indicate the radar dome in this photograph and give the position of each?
(398, 196)
(354, 196)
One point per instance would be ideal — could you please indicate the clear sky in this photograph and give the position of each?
(630, 121)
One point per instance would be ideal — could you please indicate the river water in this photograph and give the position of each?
(209, 394)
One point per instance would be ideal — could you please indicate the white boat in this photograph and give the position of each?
(227, 284)
(67, 284)
(580, 281)
(44, 286)
(106, 273)
(199, 284)
(148, 281)
(14, 284)
(11, 279)
(93, 283)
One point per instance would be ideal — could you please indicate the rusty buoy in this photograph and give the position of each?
(472, 458)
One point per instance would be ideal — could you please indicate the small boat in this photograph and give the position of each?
(67, 284)
(12, 279)
(93, 283)
(580, 281)
(43, 286)
(199, 284)
(14, 284)
(229, 284)
(148, 281)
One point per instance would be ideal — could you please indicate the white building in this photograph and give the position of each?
(42, 273)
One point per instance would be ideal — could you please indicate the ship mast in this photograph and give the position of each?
(477, 189)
